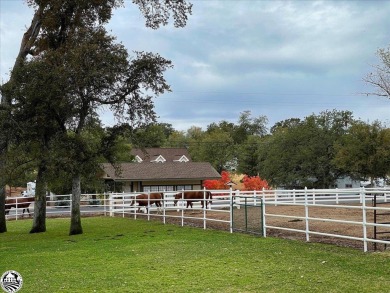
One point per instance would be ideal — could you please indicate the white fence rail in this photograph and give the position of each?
(224, 201)
(348, 199)
(57, 205)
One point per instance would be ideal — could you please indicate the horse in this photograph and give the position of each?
(191, 196)
(18, 203)
(147, 199)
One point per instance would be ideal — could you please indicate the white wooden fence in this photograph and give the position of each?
(351, 199)
(224, 201)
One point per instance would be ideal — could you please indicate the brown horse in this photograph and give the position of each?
(19, 203)
(147, 199)
(191, 196)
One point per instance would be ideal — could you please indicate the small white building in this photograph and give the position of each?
(347, 182)
(30, 189)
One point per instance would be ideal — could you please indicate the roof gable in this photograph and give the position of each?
(161, 155)
(183, 158)
(159, 159)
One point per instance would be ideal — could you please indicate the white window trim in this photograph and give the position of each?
(182, 159)
(138, 159)
(159, 159)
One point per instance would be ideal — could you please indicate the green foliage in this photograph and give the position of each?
(246, 126)
(364, 152)
(285, 124)
(221, 142)
(177, 139)
(248, 155)
(75, 69)
(300, 153)
(18, 168)
(152, 135)
(216, 147)
(124, 255)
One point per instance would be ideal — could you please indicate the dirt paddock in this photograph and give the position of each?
(249, 220)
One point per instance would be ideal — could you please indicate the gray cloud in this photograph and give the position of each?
(281, 59)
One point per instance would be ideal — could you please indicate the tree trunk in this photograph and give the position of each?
(75, 221)
(39, 223)
(3, 224)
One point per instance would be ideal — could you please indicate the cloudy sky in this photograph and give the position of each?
(280, 59)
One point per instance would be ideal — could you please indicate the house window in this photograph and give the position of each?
(348, 185)
(184, 187)
(153, 188)
(158, 188)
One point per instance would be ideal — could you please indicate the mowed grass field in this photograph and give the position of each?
(125, 255)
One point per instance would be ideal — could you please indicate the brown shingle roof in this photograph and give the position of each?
(162, 171)
(169, 154)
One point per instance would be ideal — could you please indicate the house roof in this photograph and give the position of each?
(161, 171)
(169, 154)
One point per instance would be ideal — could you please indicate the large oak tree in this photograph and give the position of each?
(300, 153)
(55, 26)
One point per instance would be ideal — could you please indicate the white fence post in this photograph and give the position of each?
(123, 205)
(16, 209)
(182, 208)
(110, 203)
(307, 216)
(263, 215)
(275, 197)
(135, 207)
(262, 195)
(148, 206)
(231, 209)
(204, 208)
(70, 203)
(105, 203)
(364, 224)
(314, 196)
(163, 204)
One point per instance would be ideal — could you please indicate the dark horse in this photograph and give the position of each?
(191, 196)
(19, 203)
(147, 199)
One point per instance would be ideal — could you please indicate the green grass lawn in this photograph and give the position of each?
(124, 255)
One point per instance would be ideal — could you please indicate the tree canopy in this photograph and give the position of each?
(300, 153)
(364, 152)
(81, 68)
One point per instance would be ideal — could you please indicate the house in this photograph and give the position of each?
(159, 169)
(347, 182)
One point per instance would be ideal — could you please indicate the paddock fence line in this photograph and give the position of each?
(235, 208)
(347, 201)
(60, 205)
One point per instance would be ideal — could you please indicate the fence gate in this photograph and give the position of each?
(247, 215)
(381, 217)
